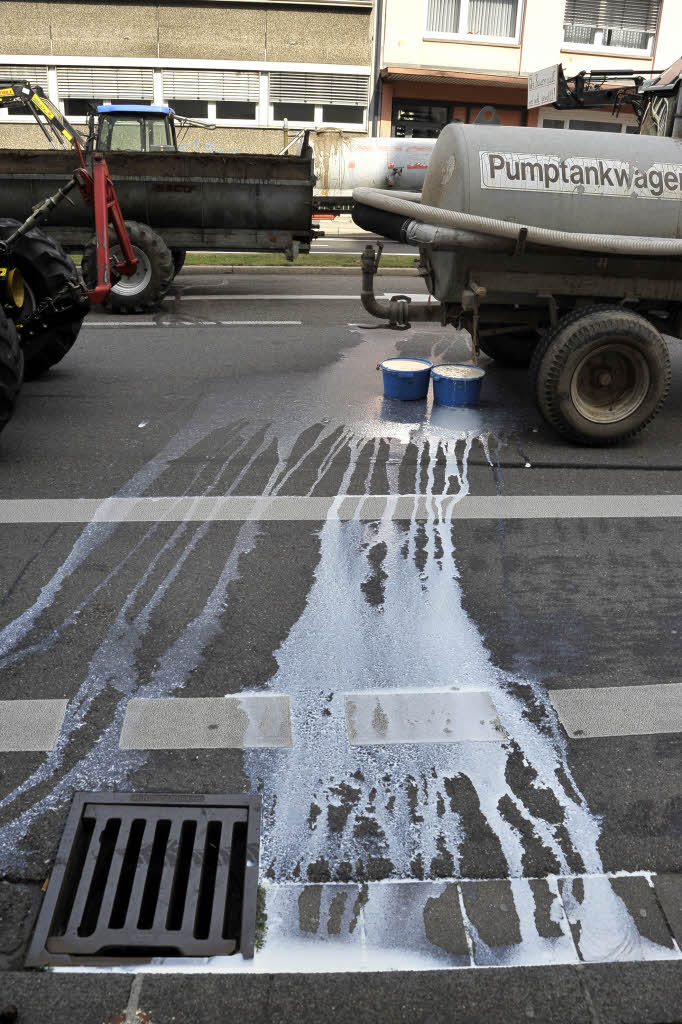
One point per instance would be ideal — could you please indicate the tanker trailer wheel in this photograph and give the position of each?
(179, 257)
(601, 374)
(11, 368)
(513, 350)
(143, 290)
(46, 268)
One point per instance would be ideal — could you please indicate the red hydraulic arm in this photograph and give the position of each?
(98, 191)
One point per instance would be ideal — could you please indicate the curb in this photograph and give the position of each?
(351, 271)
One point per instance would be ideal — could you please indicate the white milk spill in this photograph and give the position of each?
(405, 364)
(460, 372)
(331, 809)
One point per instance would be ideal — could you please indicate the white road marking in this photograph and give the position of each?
(367, 508)
(425, 716)
(259, 297)
(443, 924)
(192, 323)
(30, 724)
(290, 298)
(619, 710)
(181, 723)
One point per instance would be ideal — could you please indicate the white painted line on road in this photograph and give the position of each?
(259, 298)
(118, 323)
(619, 710)
(30, 724)
(183, 723)
(421, 716)
(288, 298)
(193, 323)
(367, 508)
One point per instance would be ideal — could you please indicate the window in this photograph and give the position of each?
(294, 112)
(614, 125)
(485, 19)
(80, 107)
(188, 108)
(595, 126)
(623, 24)
(343, 114)
(313, 98)
(236, 110)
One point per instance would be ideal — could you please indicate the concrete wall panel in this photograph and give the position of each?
(24, 28)
(212, 33)
(328, 37)
(101, 30)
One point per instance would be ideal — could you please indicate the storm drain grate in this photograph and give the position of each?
(140, 876)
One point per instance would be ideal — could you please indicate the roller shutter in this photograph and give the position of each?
(318, 89)
(36, 75)
(106, 83)
(214, 86)
(637, 15)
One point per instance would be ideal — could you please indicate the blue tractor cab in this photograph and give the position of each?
(134, 127)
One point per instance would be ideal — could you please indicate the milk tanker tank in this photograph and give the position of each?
(556, 249)
(343, 163)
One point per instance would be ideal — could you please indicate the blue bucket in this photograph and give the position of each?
(457, 383)
(406, 378)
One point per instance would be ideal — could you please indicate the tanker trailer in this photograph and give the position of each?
(344, 162)
(557, 248)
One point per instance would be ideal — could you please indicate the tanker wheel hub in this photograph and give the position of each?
(610, 383)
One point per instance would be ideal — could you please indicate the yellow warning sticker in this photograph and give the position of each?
(41, 105)
(7, 92)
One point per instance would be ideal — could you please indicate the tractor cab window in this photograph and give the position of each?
(121, 132)
(135, 132)
(157, 134)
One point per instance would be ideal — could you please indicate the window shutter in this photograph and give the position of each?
(639, 15)
(106, 83)
(318, 89)
(443, 16)
(36, 75)
(235, 86)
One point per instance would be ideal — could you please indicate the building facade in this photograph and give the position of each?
(443, 60)
(249, 67)
(378, 67)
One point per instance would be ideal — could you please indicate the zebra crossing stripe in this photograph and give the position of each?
(231, 508)
(389, 716)
(619, 710)
(30, 724)
(181, 723)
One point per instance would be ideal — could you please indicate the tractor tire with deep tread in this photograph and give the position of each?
(11, 368)
(45, 268)
(179, 257)
(601, 375)
(144, 290)
(513, 350)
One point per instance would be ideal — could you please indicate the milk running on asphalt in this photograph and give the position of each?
(384, 613)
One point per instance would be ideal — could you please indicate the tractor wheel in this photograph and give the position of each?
(601, 375)
(143, 290)
(45, 268)
(514, 350)
(11, 368)
(179, 257)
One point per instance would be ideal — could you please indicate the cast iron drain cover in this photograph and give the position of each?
(139, 876)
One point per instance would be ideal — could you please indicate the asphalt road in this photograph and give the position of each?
(465, 722)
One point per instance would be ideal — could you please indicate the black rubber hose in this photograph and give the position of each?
(379, 222)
